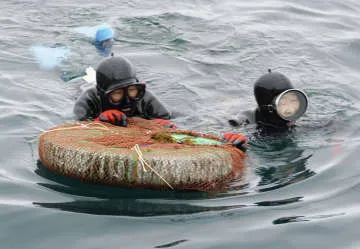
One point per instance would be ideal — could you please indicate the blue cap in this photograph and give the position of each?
(103, 34)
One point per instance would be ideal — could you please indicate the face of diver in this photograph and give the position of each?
(105, 47)
(288, 105)
(118, 95)
(107, 44)
(279, 104)
(118, 86)
(291, 104)
(125, 98)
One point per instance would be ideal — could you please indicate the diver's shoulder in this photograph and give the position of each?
(149, 95)
(89, 93)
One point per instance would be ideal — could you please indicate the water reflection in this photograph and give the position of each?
(279, 202)
(106, 200)
(171, 244)
(129, 207)
(289, 219)
(283, 162)
(299, 218)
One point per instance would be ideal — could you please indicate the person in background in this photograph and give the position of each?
(103, 42)
(104, 39)
(119, 94)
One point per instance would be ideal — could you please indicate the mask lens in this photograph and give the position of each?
(136, 92)
(291, 104)
(133, 91)
(116, 96)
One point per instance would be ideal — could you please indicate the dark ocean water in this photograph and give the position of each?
(201, 58)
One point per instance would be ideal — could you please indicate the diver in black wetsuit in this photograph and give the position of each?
(279, 104)
(119, 94)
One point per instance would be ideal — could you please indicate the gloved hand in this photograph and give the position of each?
(114, 117)
(165, 123)
(237, 140)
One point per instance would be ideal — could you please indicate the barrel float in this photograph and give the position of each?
(142, 155)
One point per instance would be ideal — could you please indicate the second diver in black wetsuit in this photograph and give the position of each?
(279, 104)
(119, 94)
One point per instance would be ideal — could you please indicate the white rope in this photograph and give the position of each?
(144, 163)
(81, 126)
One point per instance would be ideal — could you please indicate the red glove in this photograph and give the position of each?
(114, 117)
(237, 140)
(165, 123)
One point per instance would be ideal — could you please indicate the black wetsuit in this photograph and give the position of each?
(89, 106)
(243, 118)
(263, 124)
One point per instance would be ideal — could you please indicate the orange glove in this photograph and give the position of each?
(165, 123)
(114, 117)
(237, 140)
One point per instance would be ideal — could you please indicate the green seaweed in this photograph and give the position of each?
(163, 137)
(187, 139)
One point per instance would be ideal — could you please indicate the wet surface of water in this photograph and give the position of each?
(201, 59)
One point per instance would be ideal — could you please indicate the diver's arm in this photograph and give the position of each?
(151, 107)
(242, 119)
(87, 107)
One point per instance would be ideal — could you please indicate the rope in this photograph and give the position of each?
(144, 163)
(81, 126)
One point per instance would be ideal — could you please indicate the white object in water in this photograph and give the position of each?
(49, 57)
(90, 76)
